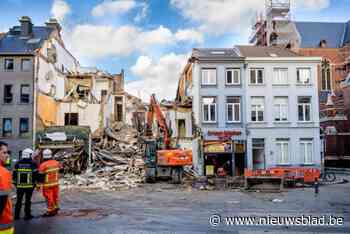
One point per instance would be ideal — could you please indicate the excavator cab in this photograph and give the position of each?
(165, 164)
(161, 160)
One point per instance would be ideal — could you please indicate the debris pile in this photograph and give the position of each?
(116, 161)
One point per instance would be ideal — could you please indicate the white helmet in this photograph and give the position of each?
(27, 153)
(47, 154)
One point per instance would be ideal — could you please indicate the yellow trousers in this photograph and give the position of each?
(7, 231)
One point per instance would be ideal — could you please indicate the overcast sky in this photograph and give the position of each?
(151, 40)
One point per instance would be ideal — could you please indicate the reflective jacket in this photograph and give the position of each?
(49, 171)
(6, 217)
(25, 174)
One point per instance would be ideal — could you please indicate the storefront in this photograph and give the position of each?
(223, 155)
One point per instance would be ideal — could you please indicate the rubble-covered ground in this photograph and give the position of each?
(167, 208)
(116, 161)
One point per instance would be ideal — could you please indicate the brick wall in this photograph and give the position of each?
(336, 58)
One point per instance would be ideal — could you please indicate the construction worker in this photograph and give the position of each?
(25, 176)
(6, 216)
(49, 171)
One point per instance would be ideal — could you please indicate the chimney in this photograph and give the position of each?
(53, 23)
(26, 26)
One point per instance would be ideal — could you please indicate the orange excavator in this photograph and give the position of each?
(161, 160)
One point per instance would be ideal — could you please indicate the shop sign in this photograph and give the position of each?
(224, 135)
(217, 147)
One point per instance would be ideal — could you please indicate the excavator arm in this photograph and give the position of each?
(155, 111)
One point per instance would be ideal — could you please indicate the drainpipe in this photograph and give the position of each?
(35, 90)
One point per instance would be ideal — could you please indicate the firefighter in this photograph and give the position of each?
(25, 175)
(49, 171)
(6, 216)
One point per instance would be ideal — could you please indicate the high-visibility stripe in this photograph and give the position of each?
(6, 226)
(50, 184)
(51, 170)
(7, 231)
(25, 186)
(24, 169)
(5, 192)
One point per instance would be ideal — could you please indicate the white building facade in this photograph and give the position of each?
(282, 109)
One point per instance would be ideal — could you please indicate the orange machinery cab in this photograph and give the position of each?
(174, 157)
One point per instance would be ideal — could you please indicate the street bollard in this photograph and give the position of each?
(316, 185)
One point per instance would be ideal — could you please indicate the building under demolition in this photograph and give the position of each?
(45, 86)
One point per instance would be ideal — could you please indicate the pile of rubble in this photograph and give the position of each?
(116, 161)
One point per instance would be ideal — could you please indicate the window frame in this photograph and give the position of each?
(202, 77)
(283, 159)
(298, 72)
(280, 112)
(304, 105)
(326, 76)
(13, 65)
(256, 76)
(7, 133)
(233, 70)
(21, 133)
(277, 71)
(21, 94)
(233, 104)
(29, 68)
(209, 113)
(256, 110)
(7, 98)
(303, 146)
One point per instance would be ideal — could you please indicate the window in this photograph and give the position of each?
(280, 105)
(23, 126)
(8, 96)
(118, 109)
(103, 95)
(209, 109)
(181, 128)
(9, 65)
(83, 91)
(326, 76)
(26, 64)
(71, 119)
(303, 75)
(280, 76)
(257, 109)
(256, 76)
(282, 151)
(304, 109)
(233, 105)
(209, 76)
(306, 151)
(6, 127)
(25, 93)
(233, 76)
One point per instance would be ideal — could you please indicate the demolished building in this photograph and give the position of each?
(45, 86)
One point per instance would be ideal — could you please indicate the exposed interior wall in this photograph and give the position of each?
(88, 116)
(47, 109)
